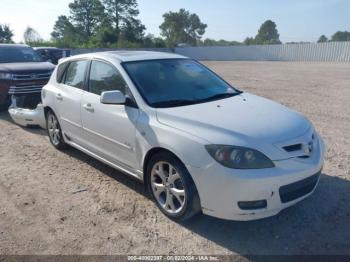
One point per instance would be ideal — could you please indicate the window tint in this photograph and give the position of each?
(61, 69)
(105, 77)
(75, 74)
(168, 82)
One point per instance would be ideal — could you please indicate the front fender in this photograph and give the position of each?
(152, 134)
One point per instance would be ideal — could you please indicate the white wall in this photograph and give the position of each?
(327, 52)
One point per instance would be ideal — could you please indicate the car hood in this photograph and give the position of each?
(244, 120)
(26, 67)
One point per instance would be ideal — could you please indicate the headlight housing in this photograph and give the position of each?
(236, 157)
(5, 76)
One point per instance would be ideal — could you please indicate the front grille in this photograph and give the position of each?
(293, 148)
(25, 89)
(299, 189)
(303, 149)
(29, 83)
(32, 77)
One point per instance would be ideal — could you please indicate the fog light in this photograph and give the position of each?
(253, 205)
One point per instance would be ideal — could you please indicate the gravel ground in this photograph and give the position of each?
(40, 213)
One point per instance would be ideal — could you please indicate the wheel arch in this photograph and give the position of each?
(196, 204)
(47, 109)
(152, 152)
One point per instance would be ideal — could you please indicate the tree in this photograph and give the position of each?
(62, 28)
(249, 41)
(64, 32)
(86, 16)
(105, 36)
(182, 27)
(120, 11)
(221, 42)
(322, 39)
(93, 23)
(298, 43)
(268, 34)
(124, 26)
(341, 36)
(5, 34)
(150, 41)
(133, 30)
(31, 36)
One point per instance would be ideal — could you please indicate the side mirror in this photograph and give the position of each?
(113, 98)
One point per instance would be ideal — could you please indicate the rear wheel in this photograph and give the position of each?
(172, 188)
(54, 131)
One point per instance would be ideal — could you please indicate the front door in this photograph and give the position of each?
(109, 130)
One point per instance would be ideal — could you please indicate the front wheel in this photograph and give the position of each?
(172, 187)
(54, 131)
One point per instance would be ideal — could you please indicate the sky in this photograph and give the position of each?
(297, 20)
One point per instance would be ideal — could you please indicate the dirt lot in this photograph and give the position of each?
(40, 214)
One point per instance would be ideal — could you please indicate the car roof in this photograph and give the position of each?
(129, 56)
(42, 47)
(13, 45)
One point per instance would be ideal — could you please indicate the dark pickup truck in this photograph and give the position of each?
(22, 76)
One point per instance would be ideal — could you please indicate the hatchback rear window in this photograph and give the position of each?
(75, 74)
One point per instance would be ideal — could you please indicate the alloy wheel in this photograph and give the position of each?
(54, 129)
(168, 188)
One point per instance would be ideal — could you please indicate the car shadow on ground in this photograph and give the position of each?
(318, 225)
(120, 177)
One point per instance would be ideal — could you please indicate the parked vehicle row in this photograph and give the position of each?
(198, 144)
(52, 54)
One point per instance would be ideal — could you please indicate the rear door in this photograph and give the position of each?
(68, 99)
(109, 130)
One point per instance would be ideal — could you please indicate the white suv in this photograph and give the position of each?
(198, 143)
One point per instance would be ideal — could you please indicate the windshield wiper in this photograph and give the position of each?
(220, 96)
(186, 102)
(174, 103)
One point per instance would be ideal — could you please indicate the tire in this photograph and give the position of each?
(4, 105)
(54, 131)
(172, 188)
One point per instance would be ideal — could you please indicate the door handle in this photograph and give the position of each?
(89, 108)
(59, 97)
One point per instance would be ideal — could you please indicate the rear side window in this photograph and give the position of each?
(61, 69)
(105, 77)
(75, 74)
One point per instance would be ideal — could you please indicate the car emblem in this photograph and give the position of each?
(33, 76)
(309, 148)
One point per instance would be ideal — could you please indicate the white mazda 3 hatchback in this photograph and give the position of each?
(198, 143)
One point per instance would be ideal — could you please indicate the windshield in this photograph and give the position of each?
(177, 82)
(18, 55)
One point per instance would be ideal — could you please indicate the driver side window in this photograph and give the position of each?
(105, 77)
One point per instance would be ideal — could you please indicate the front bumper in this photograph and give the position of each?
(28, 117)
(221, 189)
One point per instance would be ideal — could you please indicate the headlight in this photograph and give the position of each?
(5, 76)
(239, 157)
